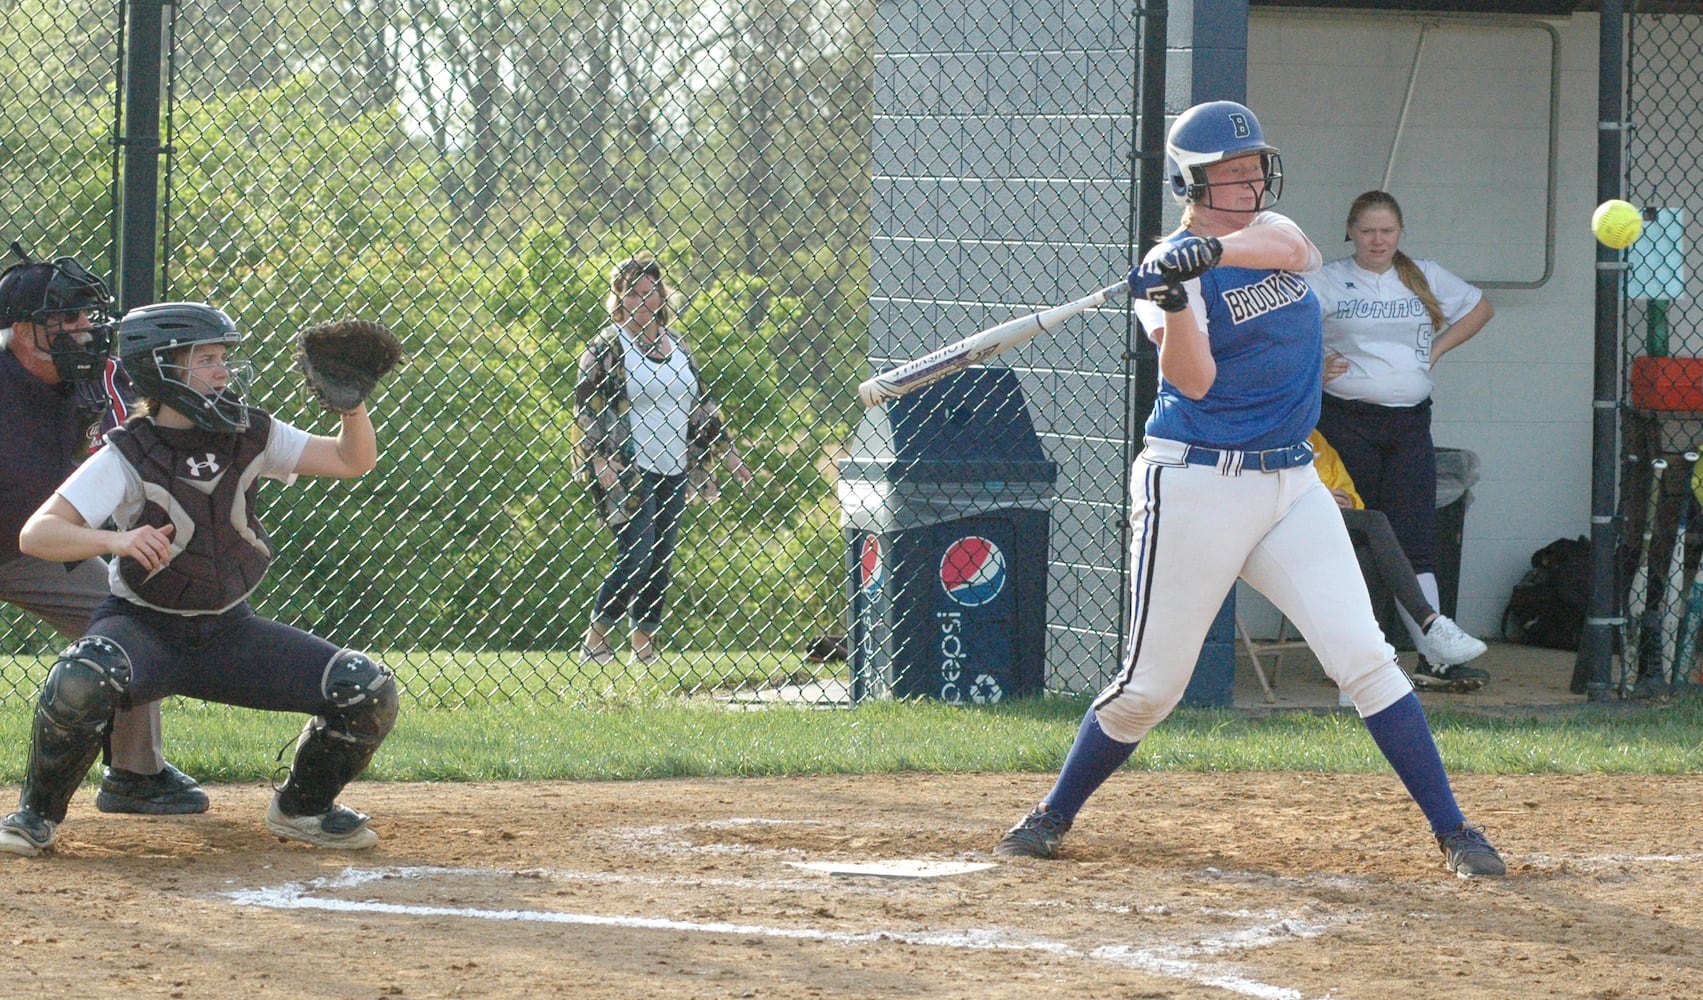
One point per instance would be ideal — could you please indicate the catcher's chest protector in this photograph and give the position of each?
(204, 484)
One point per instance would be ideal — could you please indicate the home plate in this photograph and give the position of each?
(901, 868)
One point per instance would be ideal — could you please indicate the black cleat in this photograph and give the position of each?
(168, 793)
(1458, 679)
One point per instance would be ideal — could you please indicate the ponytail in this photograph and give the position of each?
(1414, 279)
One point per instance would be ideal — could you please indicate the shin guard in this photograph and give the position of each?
(338, 744)
(85, 687)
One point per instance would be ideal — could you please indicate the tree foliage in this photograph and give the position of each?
(467, 170)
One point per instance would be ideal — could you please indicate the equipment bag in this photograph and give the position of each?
(1547, 607)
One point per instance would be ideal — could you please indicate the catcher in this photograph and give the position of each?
(180, 482)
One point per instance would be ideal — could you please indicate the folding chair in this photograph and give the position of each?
(1258, 649)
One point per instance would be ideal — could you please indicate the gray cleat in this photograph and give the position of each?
(339, 827)
(1037, 836)
(26, 834)
(1468, 854)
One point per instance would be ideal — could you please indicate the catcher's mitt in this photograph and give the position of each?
(343, 360)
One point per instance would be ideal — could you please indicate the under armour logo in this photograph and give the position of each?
(202, 469)
(1239, 125)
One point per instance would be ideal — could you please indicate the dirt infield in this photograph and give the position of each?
(1222, 885)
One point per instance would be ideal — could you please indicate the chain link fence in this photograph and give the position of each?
(1662, 534)
(831, 187)
(468, 171)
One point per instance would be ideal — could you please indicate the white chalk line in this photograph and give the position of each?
(1177, 961)
(1605, 860)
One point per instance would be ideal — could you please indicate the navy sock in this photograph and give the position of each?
(1092, 759)
(1402, 733)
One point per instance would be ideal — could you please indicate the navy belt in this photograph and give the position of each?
(1232, 462)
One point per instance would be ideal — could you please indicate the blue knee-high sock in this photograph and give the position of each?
(1402, 733)
(1092, 759)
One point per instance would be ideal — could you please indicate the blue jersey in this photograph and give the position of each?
(1267, 342)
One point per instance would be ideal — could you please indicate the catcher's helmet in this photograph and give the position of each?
(1211, 132)
(147, 338)
(48, 294)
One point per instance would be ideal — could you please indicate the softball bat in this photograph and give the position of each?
(959, 355)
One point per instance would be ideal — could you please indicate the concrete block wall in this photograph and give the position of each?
(1470, 170)
(1004, 183)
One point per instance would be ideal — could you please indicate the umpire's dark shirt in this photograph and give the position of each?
(41, 441)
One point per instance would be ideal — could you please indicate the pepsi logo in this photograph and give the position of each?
(972, 571)
(871, 573)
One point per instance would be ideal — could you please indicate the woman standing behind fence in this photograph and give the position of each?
(1388, 320)
(647, 426)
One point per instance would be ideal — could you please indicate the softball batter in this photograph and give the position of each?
(1225, 487)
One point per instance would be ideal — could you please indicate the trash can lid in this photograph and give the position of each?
(1457, 473)
(971, 427)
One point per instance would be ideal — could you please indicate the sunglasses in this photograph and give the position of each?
(632, 270)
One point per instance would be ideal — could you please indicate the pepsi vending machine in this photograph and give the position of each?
(944, 502)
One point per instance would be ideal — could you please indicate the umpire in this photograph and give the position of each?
(60, 391)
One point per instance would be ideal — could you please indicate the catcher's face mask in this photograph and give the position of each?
(76, 342)
(205, 383)
(156, 341)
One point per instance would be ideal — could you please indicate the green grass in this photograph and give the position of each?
(651, 736)
(452, 679)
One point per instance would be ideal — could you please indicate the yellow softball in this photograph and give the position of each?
(1617, 223)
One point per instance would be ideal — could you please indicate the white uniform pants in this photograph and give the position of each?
(1195, 532)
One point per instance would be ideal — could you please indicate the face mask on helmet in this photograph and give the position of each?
(213, 394)
(1212, 133)
(69, 309)
(156, 343)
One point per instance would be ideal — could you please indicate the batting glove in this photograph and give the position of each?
(1171, 298)
(1189, 257)
(1149, 282)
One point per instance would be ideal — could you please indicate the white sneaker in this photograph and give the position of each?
(1444, 644)
(339, 827)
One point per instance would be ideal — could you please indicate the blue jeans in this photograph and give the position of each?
(644, 545)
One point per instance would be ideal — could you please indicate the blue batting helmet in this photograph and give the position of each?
(1212, 132)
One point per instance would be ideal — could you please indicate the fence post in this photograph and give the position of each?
(1596, 649)
(139, 201)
